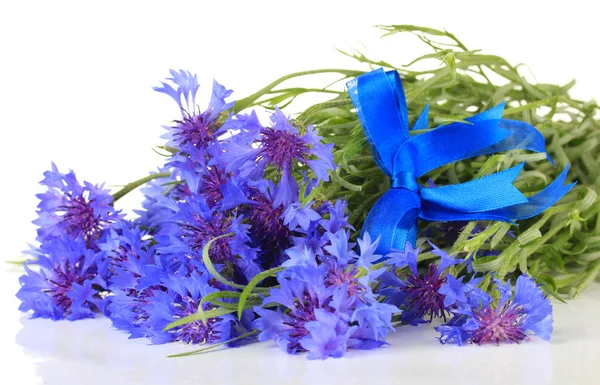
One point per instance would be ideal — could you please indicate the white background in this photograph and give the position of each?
(75, 88)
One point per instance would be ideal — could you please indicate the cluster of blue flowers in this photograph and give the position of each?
(476, 316)
(228, 174)
(231, 175)
(329, 301)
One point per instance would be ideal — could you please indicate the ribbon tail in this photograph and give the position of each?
(485, 133)
(522, 136)
(541, 201)
(394, 219)
(428, 151)
(494, 113)
(532, 206)
(485, 194)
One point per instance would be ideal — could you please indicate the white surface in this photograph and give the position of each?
(76, 86)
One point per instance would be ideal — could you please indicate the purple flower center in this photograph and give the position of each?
(197, 234)
(194, 130)
(282, 148)
(337, 276)
(267, 224)
(62, 282)
(423, 296)
(78, 217)
(180, 192)
(499, 325)
(212, 181)
(303, 312)
(121, 255)
(196, 332)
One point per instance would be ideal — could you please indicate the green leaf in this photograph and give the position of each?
(549, 286)
(252, 284)
(499, 235)
(489, 263)
(200, 316)
(211, 268)
(219, 295)
(591, 274)
(588, 200)
(337, 178)
(529, 236)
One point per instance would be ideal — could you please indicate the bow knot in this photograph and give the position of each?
(406, 180)
(381, 107)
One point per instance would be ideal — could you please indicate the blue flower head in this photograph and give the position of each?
(70, 209)
(281, 147)
(421, 294)
(300, 215)
(179, 297)
(478, 319)
(268, 230)
(324, 338)
(185, 235)
(337, 217)
(124, 255)
(64, 284)
(160, 201)
(330, 309)
(196, 128)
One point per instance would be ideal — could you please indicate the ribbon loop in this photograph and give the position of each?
(381, 107)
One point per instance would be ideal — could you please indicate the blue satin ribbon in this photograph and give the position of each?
(381, 107)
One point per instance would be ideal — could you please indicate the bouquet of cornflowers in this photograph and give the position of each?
(304, 230)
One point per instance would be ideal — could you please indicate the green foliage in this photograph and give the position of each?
(560, 248)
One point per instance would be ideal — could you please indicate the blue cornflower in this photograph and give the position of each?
(196, 128)
(367, 254)
(327, 336)
(133, 289)
(179, 297)
(337, 217)
(300, 255)
(125, 252)
(420, 295)
(478, 319)
(376, 315)
(302, 290)
(453, 290)
(333, 219)
(184, 236)
(65, 283)
(340, 248)
(202, 170)
(268, 232)
(297, 214)
(282, 147)
(160, 200)
(71, 209)
(330, 309)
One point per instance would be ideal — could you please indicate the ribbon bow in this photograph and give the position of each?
(381, 107)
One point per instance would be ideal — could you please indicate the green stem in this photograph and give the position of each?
(249, 334)
(309, 112)
(248, 101)
(135, 184)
